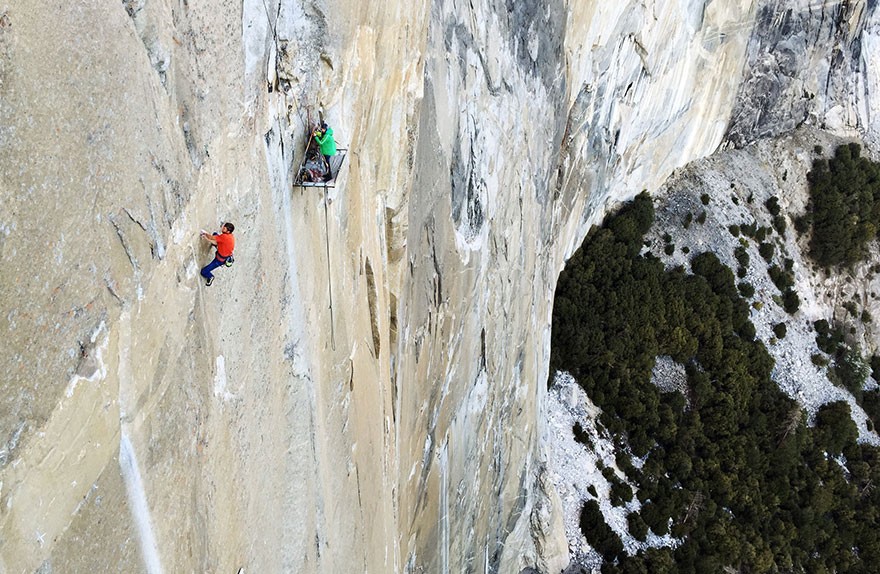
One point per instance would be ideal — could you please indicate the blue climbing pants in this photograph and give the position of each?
(214, 264)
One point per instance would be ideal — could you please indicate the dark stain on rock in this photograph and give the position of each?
(536, 29)
(5, 51)
(88, 363)
(132, 7)
(783, 44)
(467, 201)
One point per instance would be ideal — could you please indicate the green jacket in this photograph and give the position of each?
(326, 141)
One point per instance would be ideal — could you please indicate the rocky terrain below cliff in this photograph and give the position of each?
(695, 211)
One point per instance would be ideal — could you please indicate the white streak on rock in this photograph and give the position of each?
(220, 380)
(137, 501)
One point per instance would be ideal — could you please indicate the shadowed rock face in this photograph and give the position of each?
(806, 64)
(536, 30)
(363, 390)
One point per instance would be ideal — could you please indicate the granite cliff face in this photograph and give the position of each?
(809, 63)
(373, 403)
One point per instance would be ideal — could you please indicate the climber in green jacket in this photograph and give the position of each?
(324, 137)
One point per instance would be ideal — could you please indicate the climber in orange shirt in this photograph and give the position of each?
(225, 244)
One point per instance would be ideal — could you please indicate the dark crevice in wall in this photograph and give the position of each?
(374, 317)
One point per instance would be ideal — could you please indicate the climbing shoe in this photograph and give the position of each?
(209, 281)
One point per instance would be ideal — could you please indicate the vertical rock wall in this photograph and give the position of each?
(809, 63)
(364, 389)
(505, 187)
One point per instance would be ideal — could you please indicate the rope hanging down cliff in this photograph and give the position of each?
(320, 167)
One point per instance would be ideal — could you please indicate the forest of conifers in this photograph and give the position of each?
(731, 468)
